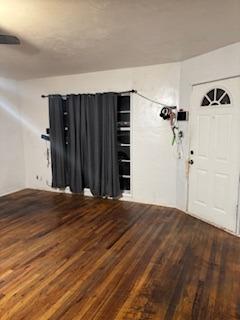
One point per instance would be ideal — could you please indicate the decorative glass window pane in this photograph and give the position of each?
(205, 102)
(216, 97)
(210, 95)
(225, 99)
(220, 93)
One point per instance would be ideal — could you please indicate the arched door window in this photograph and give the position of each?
(216, 97)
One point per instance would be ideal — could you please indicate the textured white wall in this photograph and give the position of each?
(157, 176)
(153, 157)
(12, 176)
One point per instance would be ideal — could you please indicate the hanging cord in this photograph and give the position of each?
(177, 133)
(172, 116)
(47, 155)
(177, 136)
(173, 124)
(180, 151)
(153, 101)
(48, 161)
(168, 113)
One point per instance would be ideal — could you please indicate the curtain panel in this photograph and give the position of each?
(57, 140)
(85, 157)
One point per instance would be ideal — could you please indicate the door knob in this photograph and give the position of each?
(191, 162)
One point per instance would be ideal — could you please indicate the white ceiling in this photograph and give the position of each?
(69, 36)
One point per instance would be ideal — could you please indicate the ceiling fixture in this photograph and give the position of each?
(5, 39)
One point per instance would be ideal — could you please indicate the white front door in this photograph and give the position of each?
(215, 152)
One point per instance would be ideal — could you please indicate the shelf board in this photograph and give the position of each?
(123, 128)
(124, 144)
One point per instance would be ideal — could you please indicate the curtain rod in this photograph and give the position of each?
(121, 92)
(131, 91)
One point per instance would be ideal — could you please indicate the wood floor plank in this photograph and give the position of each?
(71, 257)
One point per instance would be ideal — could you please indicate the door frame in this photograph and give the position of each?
(237, 228)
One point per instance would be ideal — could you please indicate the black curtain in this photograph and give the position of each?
(57, 140)
(91, 150)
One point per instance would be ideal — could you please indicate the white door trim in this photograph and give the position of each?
(237, 209)
(237, 229)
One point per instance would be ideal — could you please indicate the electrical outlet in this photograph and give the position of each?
(39, 178)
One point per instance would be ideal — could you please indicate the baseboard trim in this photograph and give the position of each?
(11, 191)
(125, 197)
(212, 224)
(131, 199)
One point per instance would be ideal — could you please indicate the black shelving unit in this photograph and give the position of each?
(124, 142)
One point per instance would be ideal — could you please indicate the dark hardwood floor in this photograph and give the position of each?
(72, 257)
